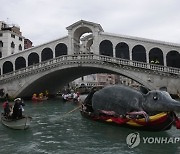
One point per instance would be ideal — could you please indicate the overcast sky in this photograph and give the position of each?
(45, 20)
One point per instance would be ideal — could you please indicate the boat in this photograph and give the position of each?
(22, 123)
(37, 99)
(158, 122)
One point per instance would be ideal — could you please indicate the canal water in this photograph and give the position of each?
(53, 132)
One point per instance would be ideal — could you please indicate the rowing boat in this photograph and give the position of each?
(21, 123)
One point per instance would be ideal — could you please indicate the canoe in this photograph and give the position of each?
(158, 122)
(22, 123)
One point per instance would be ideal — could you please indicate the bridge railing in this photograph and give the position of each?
(138, 64)
(90, 57)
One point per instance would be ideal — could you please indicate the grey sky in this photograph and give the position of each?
(45, 20)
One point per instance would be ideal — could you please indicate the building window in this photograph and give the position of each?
(20, 47)
(20, 38)
(12, 51)
(1, 44)
(12, 45)
(12, 35)
(1, 34)
(0, 54)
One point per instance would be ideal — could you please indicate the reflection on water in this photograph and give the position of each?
(52, 132)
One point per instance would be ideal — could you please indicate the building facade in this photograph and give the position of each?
(11, 40)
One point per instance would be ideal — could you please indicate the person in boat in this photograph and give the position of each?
(87, 104)
(75, 97)
(34, 97)
(17, 109)
(41, 96)
(6, 108)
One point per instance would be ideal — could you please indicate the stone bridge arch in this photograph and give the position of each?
(54, 79)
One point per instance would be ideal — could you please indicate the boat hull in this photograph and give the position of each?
(162, 123)
(22, 123)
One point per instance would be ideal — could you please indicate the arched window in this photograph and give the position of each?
(61, 49)
(122, 50)
(46, 54)
(33, 58)
(173, 59)
(7, 67)
(156, 56)
(1, 44)
(20, 62)
(12, 45)
(139, 53)
(106, 48)
(20, 47)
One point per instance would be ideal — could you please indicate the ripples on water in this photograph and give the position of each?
(54, 132)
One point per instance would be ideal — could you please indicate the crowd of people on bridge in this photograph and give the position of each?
(156, 61)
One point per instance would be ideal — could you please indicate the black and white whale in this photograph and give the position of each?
(124, 100)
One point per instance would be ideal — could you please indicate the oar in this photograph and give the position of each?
(69, 112)
(73, 110)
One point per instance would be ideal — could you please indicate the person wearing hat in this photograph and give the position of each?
(17, 109)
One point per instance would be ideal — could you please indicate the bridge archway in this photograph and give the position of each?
(122, 50)
(56, 78)
(33, 58)
(106, 48)
(60, 49)
(7, 67)
(156, 54)
(173, 59)
(20, 62)
(79, 34)
(46, 54)
(139, 53)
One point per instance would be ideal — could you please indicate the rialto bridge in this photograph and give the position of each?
(87, 49)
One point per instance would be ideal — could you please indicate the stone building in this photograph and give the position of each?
(11, 39)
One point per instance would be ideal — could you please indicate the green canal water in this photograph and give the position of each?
(53, 133)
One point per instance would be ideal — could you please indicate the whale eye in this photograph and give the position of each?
(155, 98)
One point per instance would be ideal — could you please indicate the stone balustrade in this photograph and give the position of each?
(86, 58)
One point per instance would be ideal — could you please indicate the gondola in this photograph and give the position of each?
(158, 122)
(21, 123)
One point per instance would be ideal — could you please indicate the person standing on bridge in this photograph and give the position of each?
(157, 62)
(152, 61)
